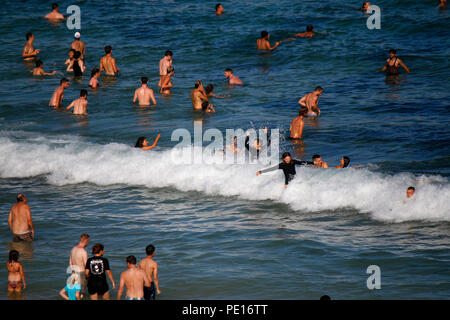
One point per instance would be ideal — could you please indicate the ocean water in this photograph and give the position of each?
(221, 232)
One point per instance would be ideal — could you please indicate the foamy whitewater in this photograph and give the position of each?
(71, 160)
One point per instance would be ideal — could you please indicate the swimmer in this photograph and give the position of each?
(308, 34)
(442, 4)
(78, 259)
(219, 9)
(150, 268)
(264, 44)
(134, 279)
(393, 64)
(108, 63)
(410, 192)
(93, 82)
(207, 107)
(54, 15)
(233, 147)
(232, 78)
(142, 143)
(77, 65)
(58, 94)
(256, 148)
(144, 94)
(311, 101)
(72, 291)
(318, 163)
(164, 65)
(20, 221)
(209, 90)
(365, 6)
(78, 45)
(166, 83)
(79, 105)
(297, 124)
(29, 53)
(288, 167)
(39, 70)
(345, 161)
(69, 61)
(97, 267)
(198, 96)
(16, 276)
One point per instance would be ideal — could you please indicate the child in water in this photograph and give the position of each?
(72, 291)
(16, 277)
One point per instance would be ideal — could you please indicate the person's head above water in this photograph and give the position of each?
(168, 54)
(286, 157)
(345, 161)
(55, 6)
(108, 49)
(72, 53)
(264, 34)
(131, 260)
(64, 82)
(228, 72)
(318, 90)
(21, 197)
(77, 35)
(39, 63)
(97, 248)
(83, 93)
(392, 53)
(140, 142)
(144, 80)
(150, 249)
(13, 256)
(29, 35)
(95, 72)
(410, 192)
(309, 28)
(219, 8)
(198, 83)
(317, 160)
(303, 111)
(209, 88)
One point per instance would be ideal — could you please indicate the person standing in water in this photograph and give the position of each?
(20, 221)
(134, 279)
(232, 79)
(80, 105)
(16, 276)
(345, 161)
(142, 143)
(264, 44)
(93, 82)
(78, 259)
(97, 267)
(164, 65)
(144, 94)
(198, 95)
(69, 61)
(72, 291)
(108, 63)
(78, 45)
(29, 52)
(393, 64)
(150, 267)
(58, 94)
(219, 9)
(54, 15)
(78, 64)
(298, 124)
(311, 101)
(288, 167)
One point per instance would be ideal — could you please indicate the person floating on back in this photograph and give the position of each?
(54, 15)
(393, 64)
(58, 94)
(264, 44)
(311, 101)
(39, 70)
(288, 167)
(80, 105)
(144, 94)
(142, 143)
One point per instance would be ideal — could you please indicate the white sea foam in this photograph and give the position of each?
(70, 160)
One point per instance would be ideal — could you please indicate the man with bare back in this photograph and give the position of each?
(298, 124)
(144, 94)
(151, 269)
(78, 259)
(79, 105)
(20, 221)
(108, 63)
(311, 101)
(58, 94)
(134, 279)
(29, 53)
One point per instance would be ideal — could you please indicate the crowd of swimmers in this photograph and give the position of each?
(141, 279)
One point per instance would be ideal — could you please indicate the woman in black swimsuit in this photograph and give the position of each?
(77, 65)
(393, 63)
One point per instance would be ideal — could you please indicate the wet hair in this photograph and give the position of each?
(197, 84)
(97, 248)
(28, 35)
(228, 70)
(63, 80)
(150, 249)
(209, 88)
(217, 6)
(54, 6)
(314, 157)
(94, 72)
(13, 256)
(393, 51)
(264, 34)
(303, 111)
(20, 197)
(84, 236)
(168, 53)
(144, 80)
(83, 93)
(140, 142)
(309, 28)
(131, 259)
(318, 88)
(412, 188)
(346, 161)
(77, 55)
(284, 155)
(39, 63)
(73, 50)
(108, 49)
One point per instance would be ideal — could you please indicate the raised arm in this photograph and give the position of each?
(268, 169)
(154, 143)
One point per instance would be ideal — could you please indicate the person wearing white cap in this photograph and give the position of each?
(78, 45)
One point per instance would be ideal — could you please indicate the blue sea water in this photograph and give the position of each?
(221, 232)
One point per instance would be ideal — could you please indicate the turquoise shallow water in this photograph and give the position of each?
(221, 232)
